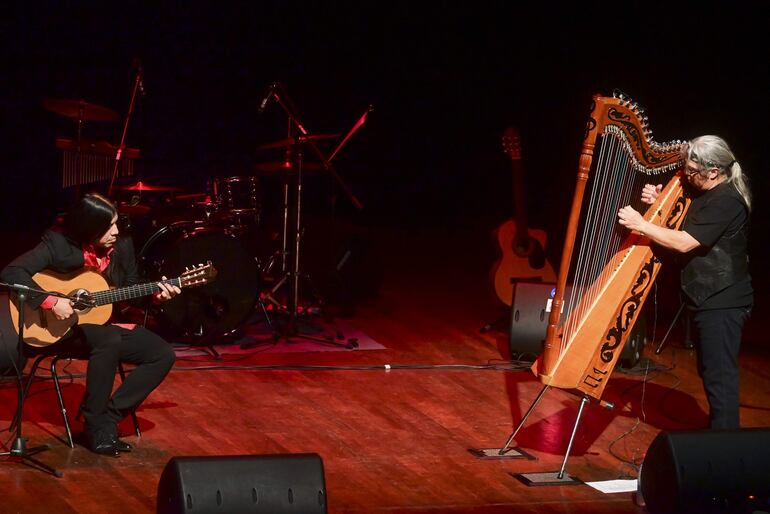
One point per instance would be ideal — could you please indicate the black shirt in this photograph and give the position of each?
(718, 220)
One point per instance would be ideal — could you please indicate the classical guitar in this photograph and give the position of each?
(92, 300)
(523, 248)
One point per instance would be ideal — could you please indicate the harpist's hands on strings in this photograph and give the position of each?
(631, 219)
(650, 193)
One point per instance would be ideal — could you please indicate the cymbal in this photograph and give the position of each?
(190, 196)
(283, 166)
(80, 110)
(142, 186)
(133, 210)
(293, 140)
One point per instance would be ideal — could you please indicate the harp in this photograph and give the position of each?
(611, 270)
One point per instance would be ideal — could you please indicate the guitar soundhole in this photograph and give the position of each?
(83, 301)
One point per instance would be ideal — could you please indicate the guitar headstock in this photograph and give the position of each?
(512, 143)
(198, 275)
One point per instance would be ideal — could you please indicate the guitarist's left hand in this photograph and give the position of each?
(167, 291)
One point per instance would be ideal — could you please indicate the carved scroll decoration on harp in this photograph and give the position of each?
(611, 269)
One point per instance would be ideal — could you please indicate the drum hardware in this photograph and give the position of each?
(291, 141)
(284, 167)
(137, 89)
(84, 160)
(79, 110)
(212, 311)
(236, 200)
(143, 186)
(292, 210)
(90, 160)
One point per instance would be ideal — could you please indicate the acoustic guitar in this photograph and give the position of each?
(523, 248)
(92, 300)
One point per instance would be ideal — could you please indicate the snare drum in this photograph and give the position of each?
(212, 310)
(237, 197)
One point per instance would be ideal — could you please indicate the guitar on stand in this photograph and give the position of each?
(523, 248)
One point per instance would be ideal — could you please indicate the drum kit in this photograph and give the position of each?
(225, 225)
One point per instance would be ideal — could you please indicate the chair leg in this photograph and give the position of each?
(64, 416)
(122, 372)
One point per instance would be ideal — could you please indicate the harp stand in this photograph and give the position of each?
(19, 448)
(539, 478)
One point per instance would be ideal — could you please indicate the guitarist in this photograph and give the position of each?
(88, 239)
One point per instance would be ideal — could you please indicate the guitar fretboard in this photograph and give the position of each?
(130, 292)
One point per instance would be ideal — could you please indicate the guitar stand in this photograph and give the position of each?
(19, 448)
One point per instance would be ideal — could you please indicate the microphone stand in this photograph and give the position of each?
(19, 448)
(278, 93)
(137, 87)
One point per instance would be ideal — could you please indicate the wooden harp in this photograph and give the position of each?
(610, 269)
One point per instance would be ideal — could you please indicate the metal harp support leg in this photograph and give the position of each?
(523, 420)
(557, 477)
(583, 402)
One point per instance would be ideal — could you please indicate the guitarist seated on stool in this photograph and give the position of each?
(88, 239)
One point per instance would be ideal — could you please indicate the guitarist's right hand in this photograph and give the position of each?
(63, 308)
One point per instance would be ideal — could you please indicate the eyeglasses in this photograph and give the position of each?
(691, 171)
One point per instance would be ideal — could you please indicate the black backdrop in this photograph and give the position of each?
(444, 79)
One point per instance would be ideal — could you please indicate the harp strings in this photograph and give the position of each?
(616, 182)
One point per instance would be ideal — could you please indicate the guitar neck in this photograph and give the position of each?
(130, 292)
(519, 198)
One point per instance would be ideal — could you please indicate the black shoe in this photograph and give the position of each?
(122, 446)
(102, 442)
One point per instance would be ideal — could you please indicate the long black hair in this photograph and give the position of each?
(90, 218)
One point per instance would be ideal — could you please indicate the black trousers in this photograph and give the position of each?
(105, 346)
(719, 331)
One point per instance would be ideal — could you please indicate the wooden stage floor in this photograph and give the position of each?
(395, 440)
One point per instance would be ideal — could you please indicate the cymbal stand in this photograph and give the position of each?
(19, 448)
(291, 273)
(138, 88)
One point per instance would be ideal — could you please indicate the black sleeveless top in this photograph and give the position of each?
(716, 274)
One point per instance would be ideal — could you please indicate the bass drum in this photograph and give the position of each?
(216, 309)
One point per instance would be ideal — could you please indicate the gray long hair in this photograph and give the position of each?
(713, 152)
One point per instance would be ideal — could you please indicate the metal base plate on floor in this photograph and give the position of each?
(546, 478)
(494, 453)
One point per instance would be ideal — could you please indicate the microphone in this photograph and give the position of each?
(266, 99)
